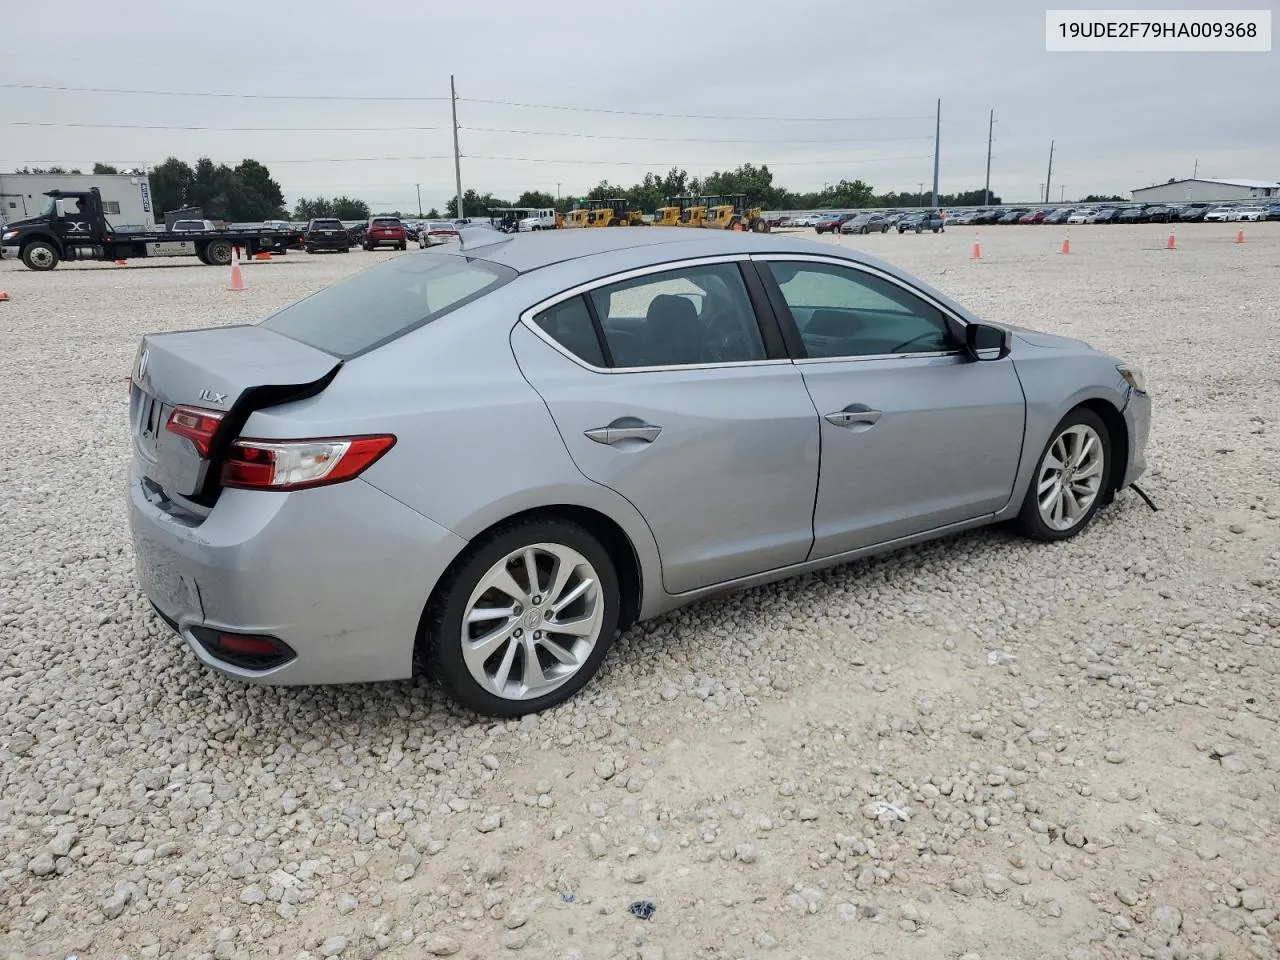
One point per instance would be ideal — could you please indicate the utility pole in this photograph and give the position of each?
(1062, 196)
(1195, 169)
(418, 187)
(457, 163)
(920, 195)
(937, 139)
(991, 126)
(1049, 174)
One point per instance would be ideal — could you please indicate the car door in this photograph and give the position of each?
(666, 388)
(916, 435)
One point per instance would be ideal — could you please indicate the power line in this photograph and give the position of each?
(685, 116)
(162, 126)
(606, 136)
(201, 93)
(830, 161)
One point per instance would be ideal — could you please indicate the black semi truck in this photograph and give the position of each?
(72, 226)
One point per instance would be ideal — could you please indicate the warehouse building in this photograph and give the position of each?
(1207, 191)
(126, 199)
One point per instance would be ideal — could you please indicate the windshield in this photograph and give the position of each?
(386, 301)
(47, 209)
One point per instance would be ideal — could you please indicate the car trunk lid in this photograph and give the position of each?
(213, 378)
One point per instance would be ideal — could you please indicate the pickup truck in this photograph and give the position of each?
(920, 222)
(72, 226)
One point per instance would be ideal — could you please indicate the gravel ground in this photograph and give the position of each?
(978, 748)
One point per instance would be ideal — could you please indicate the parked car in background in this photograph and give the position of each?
(1059, 216)
(1192, 212)
(1034, 216)
(1159, 213)
(1248, 212)
(1273, 211)
(1132, 215)
(326, 234)
(985, 218)
(436, 232)
(866, 223)
(1218, 214)
(920, 222)
(963, 217)
(1081, 215)
(385, 232)
(1105, 215)
(1013, 215)
(830, 224)
(346, 522)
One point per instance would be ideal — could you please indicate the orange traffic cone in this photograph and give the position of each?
(237, 281)
(3, 296)
(262, 256)
(121, 263)
(1172, 244)
(1066, 243)
(977, 249)
(1240, 235)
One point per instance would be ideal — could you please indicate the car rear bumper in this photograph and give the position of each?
(1137, 417)
(328, 243)
(341, 574)
(385, 241)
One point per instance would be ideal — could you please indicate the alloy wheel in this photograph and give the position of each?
(532, 621)
(1070, 477)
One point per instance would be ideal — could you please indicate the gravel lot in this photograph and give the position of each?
(978, 748)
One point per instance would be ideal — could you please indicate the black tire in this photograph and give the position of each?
(346, 249)
(218, 253)
(310, 249)
(1029, 521)
(862, 229)
(403, 246)
(39, 255)
(368, 248)
(202, 255)
(439, 639)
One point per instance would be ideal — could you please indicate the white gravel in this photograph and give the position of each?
(980, 748)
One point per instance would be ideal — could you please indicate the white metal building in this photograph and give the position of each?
(126, 199)
(1207, 191)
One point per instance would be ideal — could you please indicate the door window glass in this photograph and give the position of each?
(842, 312)
(569, 324)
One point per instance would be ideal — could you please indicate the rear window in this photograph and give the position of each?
(386, 222)
(386, 301)
(327, 224)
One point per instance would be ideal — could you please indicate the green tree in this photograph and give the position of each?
(306, 209)
(346, 208)
(475, 204)
(433, 214)
(534, 198)
(260, 196)
(170, 184)
(104, 168)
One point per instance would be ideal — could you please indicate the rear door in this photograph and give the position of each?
(915, 435)
(666, 388)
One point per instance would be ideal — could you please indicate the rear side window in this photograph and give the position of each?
(386, 301)
(569, 324)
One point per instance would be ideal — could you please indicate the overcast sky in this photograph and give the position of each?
(870, 72)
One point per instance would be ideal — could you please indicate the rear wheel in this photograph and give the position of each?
(1070, 478)
(218, 253)
(524, 620)
(40, 256)
(310, 249)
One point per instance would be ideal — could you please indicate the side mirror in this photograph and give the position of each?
(985, 338)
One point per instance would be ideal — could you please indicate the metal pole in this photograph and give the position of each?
(457, 163)
(937, 139)
(1062, 196)
(418, 187)
(1195, 169)
(1049, 174)
(920, 195)
(991, 126)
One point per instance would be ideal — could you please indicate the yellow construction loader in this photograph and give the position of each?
(694, 213)
(578, 217)
(614, 213)
(732, 213)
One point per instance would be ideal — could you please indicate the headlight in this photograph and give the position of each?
(8, 235)
(1133, 376)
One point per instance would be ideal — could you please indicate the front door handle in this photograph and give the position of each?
(853, 415)
(624, 428)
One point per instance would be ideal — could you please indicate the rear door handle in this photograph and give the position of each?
(624, 428)
(853, 415)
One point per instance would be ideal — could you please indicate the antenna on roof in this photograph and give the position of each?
(473, 238)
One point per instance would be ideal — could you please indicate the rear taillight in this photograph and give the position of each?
(248, 650)
(297, 464)
(197, 425)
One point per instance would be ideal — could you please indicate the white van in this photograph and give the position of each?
(544, 219)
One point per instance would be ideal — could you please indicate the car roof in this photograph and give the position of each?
(525, 252)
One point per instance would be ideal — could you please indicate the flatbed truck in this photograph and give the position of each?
(73, 226)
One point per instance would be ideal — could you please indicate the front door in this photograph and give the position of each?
(663, 391)
(916, 436)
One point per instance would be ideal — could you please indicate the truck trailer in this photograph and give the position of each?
(126, 197)
(73, 226)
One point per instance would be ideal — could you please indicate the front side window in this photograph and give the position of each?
(842, 312)
(689, 315)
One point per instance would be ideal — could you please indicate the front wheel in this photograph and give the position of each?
(1070, 478)
(40, 256)
(218, 253)
(525, 618)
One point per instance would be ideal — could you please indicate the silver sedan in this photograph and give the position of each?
(487, 462)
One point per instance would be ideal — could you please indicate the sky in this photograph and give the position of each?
(559, 96)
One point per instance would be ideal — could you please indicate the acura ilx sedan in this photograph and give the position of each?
(487, 460)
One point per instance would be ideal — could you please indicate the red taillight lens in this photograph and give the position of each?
(298, 464)
(197, 425)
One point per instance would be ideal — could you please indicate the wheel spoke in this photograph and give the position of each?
(485, 614)
(560, 575)
(1052, 460)
(580, 588)
(503, 674)
(1055, 514)
(500, 579)
(1093, 467)
(477, 651)
(1046, 484)
(534, 679)
(531, 571)
(562, 654)
(577, 627)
